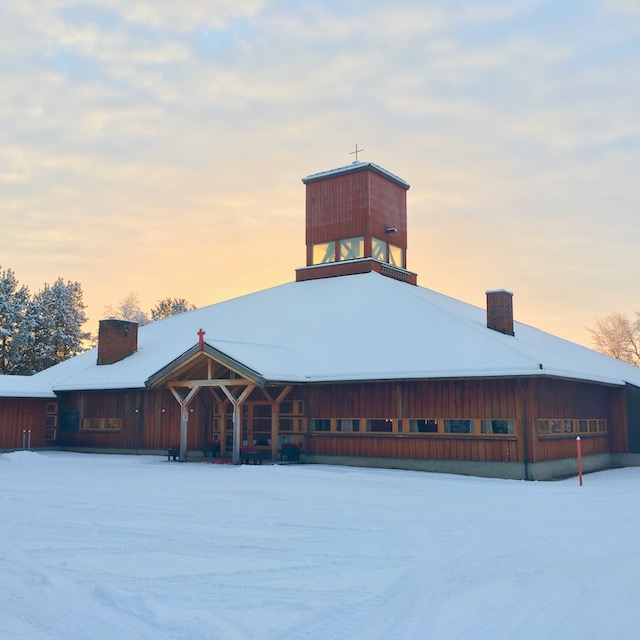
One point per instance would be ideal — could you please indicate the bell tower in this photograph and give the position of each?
(356, 222)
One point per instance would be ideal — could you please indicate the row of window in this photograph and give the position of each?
(571, 426)
(100, 424)
(353, 248)
(432, 425)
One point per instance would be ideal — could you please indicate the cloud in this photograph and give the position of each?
(136, 134)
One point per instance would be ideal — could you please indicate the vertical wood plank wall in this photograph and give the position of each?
(18, 414)
(558, 399)
(479, 399)
(151, 420)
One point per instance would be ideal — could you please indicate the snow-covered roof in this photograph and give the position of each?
(355, 167)
(347, 328)
(24, 387)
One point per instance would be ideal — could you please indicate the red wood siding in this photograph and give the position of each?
(564, 399)
(478, 399)
(355, 204)
(503, 449)
(150, 419)
(18, 414)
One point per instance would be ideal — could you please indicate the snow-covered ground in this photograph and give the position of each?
(106, 546)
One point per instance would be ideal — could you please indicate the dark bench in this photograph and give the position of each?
(250, 454)
(211, 450)
(173, 452)
(290, 451)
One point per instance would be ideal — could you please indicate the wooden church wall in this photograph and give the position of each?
(633, 416)
(440, 399)
(23, 414)
(551, 399)
(143, 420)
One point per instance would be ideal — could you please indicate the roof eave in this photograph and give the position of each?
(157, 379)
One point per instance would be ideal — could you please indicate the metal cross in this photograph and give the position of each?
(357, 151)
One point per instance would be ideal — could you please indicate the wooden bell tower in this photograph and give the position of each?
(356, 222)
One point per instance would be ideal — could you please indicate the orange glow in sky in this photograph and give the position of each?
(159, 148)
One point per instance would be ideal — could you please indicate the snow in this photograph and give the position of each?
(25, 387)
(110, 546)
(349, 328)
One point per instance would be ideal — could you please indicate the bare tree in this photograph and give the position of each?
(617, 336)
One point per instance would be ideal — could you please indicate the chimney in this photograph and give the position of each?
(500, 311)
(117, 339)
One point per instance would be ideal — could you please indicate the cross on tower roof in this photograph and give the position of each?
(357, 151)
(201, 339)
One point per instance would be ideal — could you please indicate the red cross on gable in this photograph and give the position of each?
(201, 339)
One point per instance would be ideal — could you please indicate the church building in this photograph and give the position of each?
(353, 363)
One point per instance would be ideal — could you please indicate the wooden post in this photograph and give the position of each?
(579, 451)
(237, 433)
(237, 417)
(184, 418)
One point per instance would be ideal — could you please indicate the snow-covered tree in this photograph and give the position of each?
(57, 314)
(128, 309)
(617, 336)
(15, 329)
(170, 307)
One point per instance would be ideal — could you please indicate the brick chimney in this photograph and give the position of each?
(500, 311)
(117, 339)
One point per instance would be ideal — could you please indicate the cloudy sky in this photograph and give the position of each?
(158, 146)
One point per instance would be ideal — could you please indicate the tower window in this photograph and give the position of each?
(395, 256)
(378, 249)
(324, 252)
(352, 248)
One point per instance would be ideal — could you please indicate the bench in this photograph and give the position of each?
(211, 450)
(249, 454)
(290, 451)
(173, 452)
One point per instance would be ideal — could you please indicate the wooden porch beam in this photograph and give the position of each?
(216, 382)
(184, 418)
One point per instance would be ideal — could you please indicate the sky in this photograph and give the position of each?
(158, 147)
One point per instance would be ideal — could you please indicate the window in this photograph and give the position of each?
(348, 425)
(395, 256)
(100, 424)
(319, 425)
(379, 250)
(458, 426)
(501, 427)
(351, 249)
(423, 426)
(380, 426)
(51, 421)
(290, 408)
(567, 427)
(324, 252)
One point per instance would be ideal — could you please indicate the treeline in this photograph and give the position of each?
(43, 329)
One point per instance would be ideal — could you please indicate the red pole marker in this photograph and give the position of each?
(579, 458)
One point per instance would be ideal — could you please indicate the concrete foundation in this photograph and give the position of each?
(551, 470)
